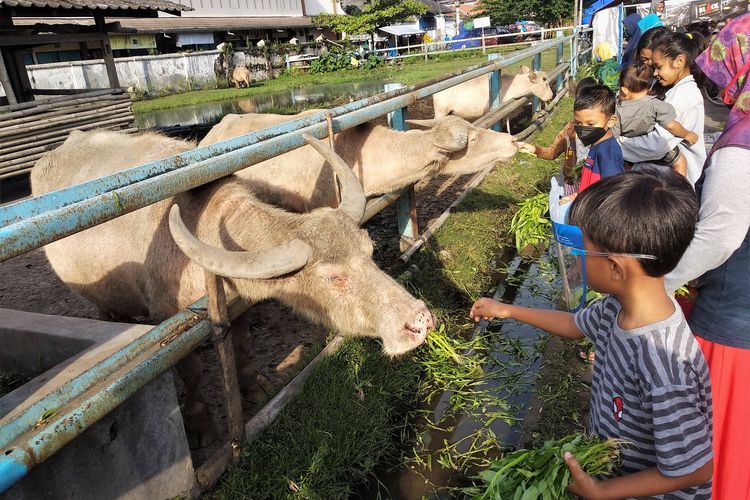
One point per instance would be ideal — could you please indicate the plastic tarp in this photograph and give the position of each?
(606, 26)
(679, 12)
(402, 29)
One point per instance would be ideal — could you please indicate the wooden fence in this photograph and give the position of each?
(30, 129)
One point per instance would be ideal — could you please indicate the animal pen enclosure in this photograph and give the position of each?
(33, 223)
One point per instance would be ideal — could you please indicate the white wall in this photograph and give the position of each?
(313, 7)
(146, 73)
(258, 8)
(234, 8)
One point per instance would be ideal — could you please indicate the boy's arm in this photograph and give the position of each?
(647, 482)
(676, 129)
(555, 322)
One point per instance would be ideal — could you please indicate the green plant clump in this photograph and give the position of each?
(541, 473)
(529, 223)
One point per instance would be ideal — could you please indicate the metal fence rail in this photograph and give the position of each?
(30, 224)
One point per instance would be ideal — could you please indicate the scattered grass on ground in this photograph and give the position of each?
(411, 71)
(358, 412)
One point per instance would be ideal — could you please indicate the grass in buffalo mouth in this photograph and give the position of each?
(358, 413)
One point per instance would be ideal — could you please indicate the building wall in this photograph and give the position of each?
(258, 8)
(145, 73)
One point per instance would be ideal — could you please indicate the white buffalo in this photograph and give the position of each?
(471, 99)
(150, 264)
(384, 159)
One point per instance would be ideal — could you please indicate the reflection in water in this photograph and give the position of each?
(212, 112)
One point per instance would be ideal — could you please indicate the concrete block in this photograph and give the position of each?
(137, 451)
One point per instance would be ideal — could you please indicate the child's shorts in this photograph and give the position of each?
(670, 158)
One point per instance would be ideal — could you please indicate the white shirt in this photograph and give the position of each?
(687, 100)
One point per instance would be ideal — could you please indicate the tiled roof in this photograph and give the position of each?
(105, 5)
(181, 24)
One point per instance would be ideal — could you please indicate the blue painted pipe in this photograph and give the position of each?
(21, 423)
(58, 199)
(36, 231)
(81, 413)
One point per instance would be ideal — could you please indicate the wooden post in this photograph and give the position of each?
(5, 81)
(558, 62)
(536, 65)
(406, 206)
(222, 340)
(495, 91)
(484, 47)
(109, 60)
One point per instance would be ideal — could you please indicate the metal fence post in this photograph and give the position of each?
(495, 90)
(536, 65)
(406, 206)
(558, 62)
(574, 54)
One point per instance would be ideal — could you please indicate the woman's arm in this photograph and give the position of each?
(724, 216)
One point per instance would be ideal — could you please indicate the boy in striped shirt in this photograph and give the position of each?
(650, 385)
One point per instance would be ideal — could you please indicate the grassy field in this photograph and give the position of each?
(358, 412)
(412, 71)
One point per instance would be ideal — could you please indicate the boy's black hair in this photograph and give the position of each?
(637, 76)
(585, 83)
(597, 96)
(646, 212)
(650, 38)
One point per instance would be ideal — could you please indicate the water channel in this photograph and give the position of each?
(287, 101)
(518, 350)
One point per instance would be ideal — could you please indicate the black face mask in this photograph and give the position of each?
(589, 135)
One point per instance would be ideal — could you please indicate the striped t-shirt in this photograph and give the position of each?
(650, 387)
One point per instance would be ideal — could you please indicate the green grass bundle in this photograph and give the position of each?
(541, 473)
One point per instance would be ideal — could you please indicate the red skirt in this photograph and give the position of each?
(730, 387)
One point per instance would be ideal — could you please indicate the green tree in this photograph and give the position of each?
(376, 13)
(547, 12)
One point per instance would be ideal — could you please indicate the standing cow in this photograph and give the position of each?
(150, 264)
(241, 77)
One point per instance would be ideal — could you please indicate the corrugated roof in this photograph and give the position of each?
(105, 5)
(181, 24)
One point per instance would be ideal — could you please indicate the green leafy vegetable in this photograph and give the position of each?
(541, 473)
(530, 224)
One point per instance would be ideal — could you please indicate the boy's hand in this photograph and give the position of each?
(581, 484)
(692, 138)
(486, 308)
(525, 147)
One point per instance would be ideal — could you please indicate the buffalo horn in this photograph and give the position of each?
(353, 199)
(424, 123)
(276, 261)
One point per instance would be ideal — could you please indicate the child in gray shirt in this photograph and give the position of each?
(639, 112)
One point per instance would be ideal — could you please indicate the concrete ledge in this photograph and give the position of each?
(137, 451)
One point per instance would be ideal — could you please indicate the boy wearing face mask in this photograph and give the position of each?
(593, 118)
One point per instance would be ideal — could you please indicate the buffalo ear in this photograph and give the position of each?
(525, 70)
(533, 77)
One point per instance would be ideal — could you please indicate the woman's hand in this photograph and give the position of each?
(692, 138)
(525, 147)
(581, 484)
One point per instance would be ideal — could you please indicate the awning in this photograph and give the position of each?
(402, 30)
(194, 39)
